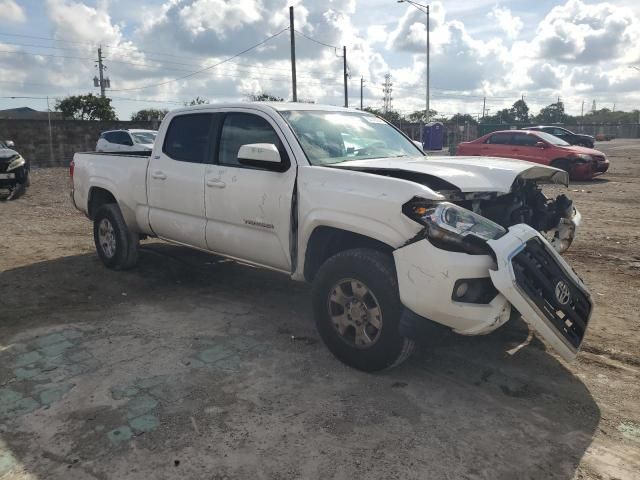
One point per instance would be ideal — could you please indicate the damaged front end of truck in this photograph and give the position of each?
(483, 258)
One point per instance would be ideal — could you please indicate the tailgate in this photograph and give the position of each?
(543, 288)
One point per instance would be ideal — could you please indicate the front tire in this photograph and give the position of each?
(357, 310)
(116, 245)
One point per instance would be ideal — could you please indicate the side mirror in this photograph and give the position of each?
(418, 144)
(9, 143)
(541, 145)
(263, 155)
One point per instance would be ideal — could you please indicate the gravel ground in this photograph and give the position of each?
(191, 366)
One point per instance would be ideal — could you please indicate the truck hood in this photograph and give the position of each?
(469, 174)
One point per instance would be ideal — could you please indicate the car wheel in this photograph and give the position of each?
(116, 245)
(357, 310)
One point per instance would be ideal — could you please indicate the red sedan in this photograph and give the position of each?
(539, 147)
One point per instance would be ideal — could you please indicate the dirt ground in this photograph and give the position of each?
(190, 366)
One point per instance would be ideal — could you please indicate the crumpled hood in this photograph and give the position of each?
(469, 174)
(7, 153)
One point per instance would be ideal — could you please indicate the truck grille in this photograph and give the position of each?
(555, 294)
(4, 164)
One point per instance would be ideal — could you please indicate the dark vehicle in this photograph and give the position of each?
(14, 170)
(567, 135)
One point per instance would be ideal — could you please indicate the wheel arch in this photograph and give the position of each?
(99, 196)
(324, 242)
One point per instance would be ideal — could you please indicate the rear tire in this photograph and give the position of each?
(116, 245)
(357, 310)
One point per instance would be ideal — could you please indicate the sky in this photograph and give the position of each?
(579, 51)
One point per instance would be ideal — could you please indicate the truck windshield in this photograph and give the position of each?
(333, 137)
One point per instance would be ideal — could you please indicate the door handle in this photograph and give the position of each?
(158, 175)
(214, 182)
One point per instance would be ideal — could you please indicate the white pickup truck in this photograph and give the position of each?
(340, 198)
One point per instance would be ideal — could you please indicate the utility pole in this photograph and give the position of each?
(100, 69)
(428, 61)
(484, 104)
(346, 92)
(101, 81)
(50, 133)
(294, 84)
(361, 92)
(386, 88)
(582, 109)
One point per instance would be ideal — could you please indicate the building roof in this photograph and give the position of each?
(26, 113)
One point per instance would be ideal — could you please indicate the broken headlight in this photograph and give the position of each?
(17, 162)
(461, 222)
(453, 225)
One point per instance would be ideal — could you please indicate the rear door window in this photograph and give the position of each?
(524, 140)
(191, 137)
(122, 138)
(499, 139)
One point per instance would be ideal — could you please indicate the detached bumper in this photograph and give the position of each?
(529, 276)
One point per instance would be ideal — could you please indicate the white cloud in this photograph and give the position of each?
(587, 34)
(11, 12)
(507, 22)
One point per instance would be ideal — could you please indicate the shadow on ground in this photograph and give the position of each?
(194, 366)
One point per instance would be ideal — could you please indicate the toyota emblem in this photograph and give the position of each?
(563, 294)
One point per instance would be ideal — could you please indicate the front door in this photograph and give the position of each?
(248, 208)
(175, 179)
(524, 147)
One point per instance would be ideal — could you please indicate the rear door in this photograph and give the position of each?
(249, 208)
(175, 178)
(497, 145)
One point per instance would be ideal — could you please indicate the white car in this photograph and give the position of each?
(132, 140)
(389, 238)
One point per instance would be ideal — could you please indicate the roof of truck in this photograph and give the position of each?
(268, 106)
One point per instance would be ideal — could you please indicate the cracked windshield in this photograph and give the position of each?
(336, 137)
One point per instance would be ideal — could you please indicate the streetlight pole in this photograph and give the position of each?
(423, 9)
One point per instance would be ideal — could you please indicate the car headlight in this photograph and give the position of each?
(462, 222)
(583, 156)
(16, 163)
(449, 225)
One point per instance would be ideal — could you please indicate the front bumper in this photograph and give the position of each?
(428, 275)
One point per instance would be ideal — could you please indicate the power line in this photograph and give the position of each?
(253, 47)
(316, 41)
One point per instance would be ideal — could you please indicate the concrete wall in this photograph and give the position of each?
(67, 137)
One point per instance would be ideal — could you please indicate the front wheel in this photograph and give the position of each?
(357, 310)
(116, 245)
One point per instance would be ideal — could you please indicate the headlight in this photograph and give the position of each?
(583, 156)
(462, 222)
(16, 163)
(446, 220)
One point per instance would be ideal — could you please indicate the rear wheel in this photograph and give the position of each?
(357, 310)
(116, 245)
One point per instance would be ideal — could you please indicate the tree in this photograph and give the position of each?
(420, 115)
(506, 115)
(196, 101)
(553, 113)
(149, 114)
(520, 111)
(390, 116)
(462, 118)
(264, 97)
(86, 107)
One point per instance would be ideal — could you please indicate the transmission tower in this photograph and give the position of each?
(593, 106)
(387, 89)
